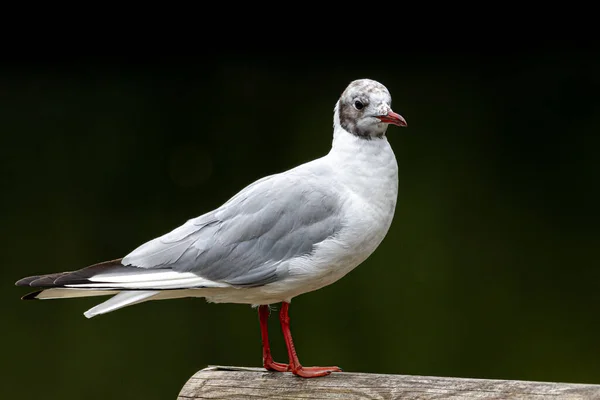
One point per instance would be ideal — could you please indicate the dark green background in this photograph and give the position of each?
(490, 268)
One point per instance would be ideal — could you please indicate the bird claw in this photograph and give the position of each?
(314, 372)
(304, 372)
(275, 366)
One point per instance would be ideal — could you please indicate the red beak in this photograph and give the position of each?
(393, 118)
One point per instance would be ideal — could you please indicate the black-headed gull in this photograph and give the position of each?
(282, 236)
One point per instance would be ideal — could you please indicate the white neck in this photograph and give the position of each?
(345, 141)
(364, 165)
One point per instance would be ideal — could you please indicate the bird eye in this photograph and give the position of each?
(358, 105)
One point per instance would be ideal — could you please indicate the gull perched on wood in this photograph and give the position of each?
(284, 235)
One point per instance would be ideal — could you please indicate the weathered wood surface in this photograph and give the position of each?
(217, 382)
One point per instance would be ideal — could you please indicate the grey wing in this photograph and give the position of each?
(244, 242)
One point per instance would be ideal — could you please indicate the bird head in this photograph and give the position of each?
(364, 109)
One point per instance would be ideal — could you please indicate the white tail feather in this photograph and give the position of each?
(147, 279)
(141, 275)
(123, 299)
(65, 293)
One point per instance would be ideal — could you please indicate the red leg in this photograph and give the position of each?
(295, 366)
(268, 363)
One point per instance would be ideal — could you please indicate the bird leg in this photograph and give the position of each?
(295, 366)
(268, 363)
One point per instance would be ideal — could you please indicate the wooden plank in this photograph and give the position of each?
(219, 382)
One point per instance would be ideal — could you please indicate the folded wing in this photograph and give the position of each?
(248, 240)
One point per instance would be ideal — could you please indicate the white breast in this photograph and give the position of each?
(368, 173)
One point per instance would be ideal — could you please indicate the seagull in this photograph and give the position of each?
(282, 236)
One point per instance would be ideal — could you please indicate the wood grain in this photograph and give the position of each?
(219, 382)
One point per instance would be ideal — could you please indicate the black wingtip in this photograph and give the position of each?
(60, 278)
(32, 295)
(26, 281)
(41, 280)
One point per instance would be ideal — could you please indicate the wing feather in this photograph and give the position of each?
(248, 240)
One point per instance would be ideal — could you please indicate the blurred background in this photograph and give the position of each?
(490, 268)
